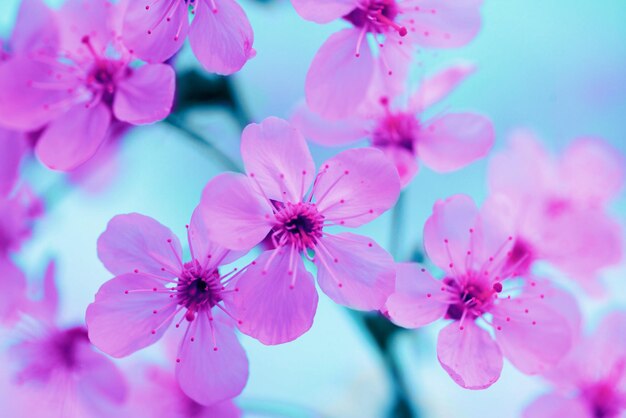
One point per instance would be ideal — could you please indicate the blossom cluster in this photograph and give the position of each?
(261, 242)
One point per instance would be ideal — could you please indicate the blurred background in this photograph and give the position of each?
(557, 67)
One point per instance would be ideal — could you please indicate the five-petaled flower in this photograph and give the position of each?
(277, 298)
(153, 288)
(533, 323)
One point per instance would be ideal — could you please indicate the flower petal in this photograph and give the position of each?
(234, 213)
(13, 294)
(92, 18)
(447, 232)
(404, 161)
(275, 154)
(356, 186)
(418, 298)
(148, 32)
(146, 96)
(445, 23)
(338, 80)
(99, 379)
(206, 374)
(273, 305)
(593, 170)
(323, 11)
(452, 141)
(12, 148)
(121, 320)
(554, 405)
(354, 271)
(206, 251)
(469, 355)
(35, 28)
(137, 242)
(531, 333)
(328, 132)
(221, 38)
(438, 86)
(74, 137)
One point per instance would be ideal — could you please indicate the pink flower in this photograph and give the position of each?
(157, 395)
(153, 288)
(74, 91)
(220, 34)
(591, 381)
(341, 72)
(557, 207)
(59, 360)
(445, 142)
(532, 323)
(276, 298)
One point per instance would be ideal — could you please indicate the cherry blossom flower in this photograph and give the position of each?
(558, 207)
(591, 381)
(75, 91)
(343, 68)
(533, 324)
(58, 366)
(445, 142)
(154, 288)
(220, 35)
(156, 395)
(276, 298)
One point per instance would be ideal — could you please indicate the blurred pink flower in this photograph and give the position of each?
(13, 147)
(220, 35)
(444, 142)
(153, 287)
(341, 72)
(276, 299)
(558, 207)
(74, 90)
(591, 381)
(59, 366)
(157, 395)
(18, 210)
(533, 323)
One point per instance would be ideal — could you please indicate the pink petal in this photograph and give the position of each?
(92, 18)
(404, 161)
(447, 232)
(469, 355)
(74, 137)
(532, 334)
(328, 132)
(354, 271)
(356, 186)
(275, 155)
(99, 380)
(438, 86)
(418, 299)
(338, 80)
(207, 252)
(390, 72)
(35, 28)
(47, 308)
(221, 38)
(452, 141)
(12, 148)
(274, 306)
(149, 34)
(146, 96)
(523, 170)
(602, 353)
(206, 374)
(445, 23)
(13, 294)
(137, 242)
(593, 170)
(323, 11)
(23, 105)
(121, 320)
(554, 405)
(234, 213)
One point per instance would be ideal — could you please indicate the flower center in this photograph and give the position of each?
(472, 299)
(66, 343)
(299, 225)
(376, 16)
(396, 130)
(198, 288)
